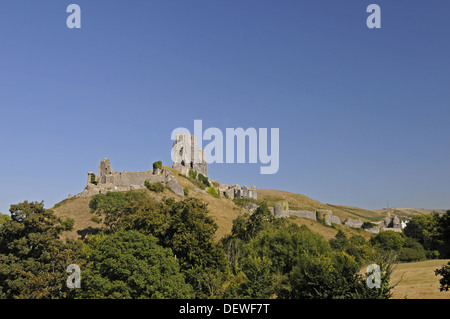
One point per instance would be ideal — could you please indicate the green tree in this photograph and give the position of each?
(258, 220)
(386, 261)
(324, 277)
(445, 280)
(190, 234)
(424, 229)
(412, 250)
(33, 260)
(115, 205)
(340, 241)
(258, 278)
(443, 229)
(285, 245)
(4, 219)
(388, 240)
(129, 264)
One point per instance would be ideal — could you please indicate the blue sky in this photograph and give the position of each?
(363, 113)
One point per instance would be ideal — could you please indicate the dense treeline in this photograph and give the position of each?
(166, 249)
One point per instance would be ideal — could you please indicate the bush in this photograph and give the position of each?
(68, 224)
(212, 191)
(244, 202)
(192, 174)
(96, 219)
(154, 187)
(157, 164)
(186, 191)
(412, 251)
(410, 254)
(93, 179)
(368, 225)
(204, 180)
(388, 240)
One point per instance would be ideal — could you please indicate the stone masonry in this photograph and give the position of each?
(187, 155)
(110, 181)
(236, 191)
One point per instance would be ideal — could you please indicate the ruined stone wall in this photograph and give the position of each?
(281, 209)
(110, 181)
(236, 191)
(353, 223)
(304, 214)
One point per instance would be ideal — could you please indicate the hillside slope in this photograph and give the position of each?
(224, 210)
(302, 202)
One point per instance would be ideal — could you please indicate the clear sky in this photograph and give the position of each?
(363, 113)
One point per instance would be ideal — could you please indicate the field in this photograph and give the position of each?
(418, 281)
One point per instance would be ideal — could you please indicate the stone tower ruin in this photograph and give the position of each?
(187, 155)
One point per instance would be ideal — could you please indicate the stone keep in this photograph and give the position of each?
(187, 155)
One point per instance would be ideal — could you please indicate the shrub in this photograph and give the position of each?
(157, 164)
(186, 191)
(244, 202)
(410, 254)
(96, 219)
(388, 240)
(412, 251)
(154, 187)
(192, 174)
(204, 180)
(212, 191)
(368, 225)
(93, 179)
(68, 223)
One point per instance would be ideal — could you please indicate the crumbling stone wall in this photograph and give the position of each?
(281, 209)
(325, 215)
(110, 181)
(353, 223)
(304, 214)
(236, 191)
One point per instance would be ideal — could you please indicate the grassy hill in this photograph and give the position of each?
(224, 210)
(302, 202)
(406, 213)
(417, 280)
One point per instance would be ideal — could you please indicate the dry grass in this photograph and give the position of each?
(78, 209)
(302, 202)
(418, 281)
(222, 210)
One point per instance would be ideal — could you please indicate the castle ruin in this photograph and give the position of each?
(187, 156)
(110, 181)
